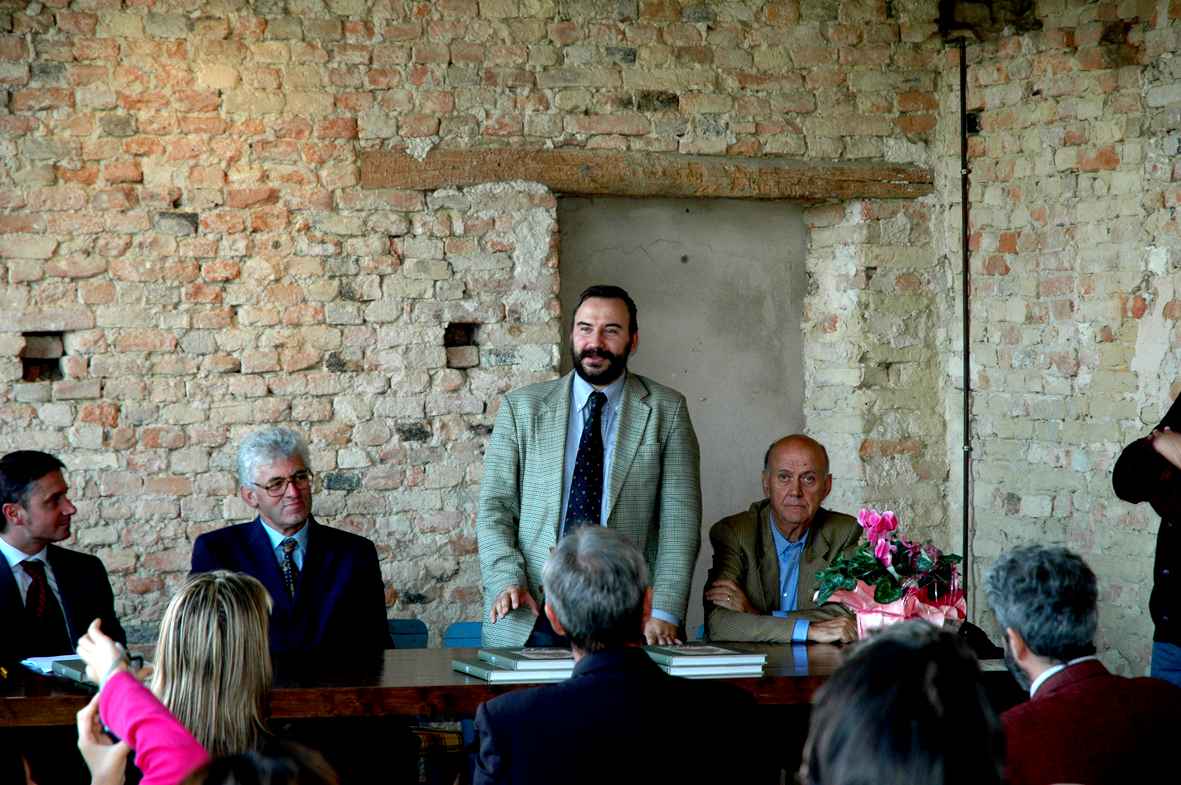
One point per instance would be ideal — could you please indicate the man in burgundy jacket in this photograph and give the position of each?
(1081, 723)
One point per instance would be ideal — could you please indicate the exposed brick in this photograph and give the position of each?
(42, 98)
(1102, 159)
(123, 172)
(76, 390)
(610, 124)
(104, 414)
(249, 197)
(13, 48)
(27, 246)
(338, 128)
(21, 222)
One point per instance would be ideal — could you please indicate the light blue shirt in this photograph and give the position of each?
(789, 554)
(579, 417)
(277, 537)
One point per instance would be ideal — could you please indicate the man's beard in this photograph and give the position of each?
(616, 365)
(1021, 676)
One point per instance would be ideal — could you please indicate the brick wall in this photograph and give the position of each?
(179, 197)
(1076, 252)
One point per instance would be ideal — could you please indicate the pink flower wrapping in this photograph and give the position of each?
(872, 614)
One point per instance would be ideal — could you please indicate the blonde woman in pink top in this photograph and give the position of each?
(164, 750)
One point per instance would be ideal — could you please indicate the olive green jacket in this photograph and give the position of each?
(744, 552)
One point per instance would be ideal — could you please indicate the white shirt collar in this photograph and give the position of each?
(15, 556)
(1048, 672)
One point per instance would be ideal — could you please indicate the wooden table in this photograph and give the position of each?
(410, 683)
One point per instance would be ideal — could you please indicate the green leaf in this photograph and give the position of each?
(924, 562)
(887, 590)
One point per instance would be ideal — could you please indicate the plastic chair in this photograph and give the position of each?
(408, 633)
(463, 635)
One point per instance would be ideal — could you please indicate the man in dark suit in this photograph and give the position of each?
(1082, 723)
(619, 717)
(326, 585)
(48, 595)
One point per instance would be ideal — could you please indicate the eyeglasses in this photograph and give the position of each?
(278, 486)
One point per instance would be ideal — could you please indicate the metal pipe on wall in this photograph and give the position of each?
(965, 172)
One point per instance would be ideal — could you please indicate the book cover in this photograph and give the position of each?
(73, 669)
(699, 654)
(712, 671)
(44, 665)
(473, 666)
(528, 659)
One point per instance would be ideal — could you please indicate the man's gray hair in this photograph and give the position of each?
(263, 447)
(596, 580)
(1049, 596)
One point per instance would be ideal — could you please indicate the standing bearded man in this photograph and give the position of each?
(598, 447)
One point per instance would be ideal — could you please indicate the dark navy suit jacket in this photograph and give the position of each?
(339, 603)
(1087, 725)
(620, 718)
(85, 593)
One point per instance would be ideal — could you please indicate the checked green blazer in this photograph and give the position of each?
(653, 494)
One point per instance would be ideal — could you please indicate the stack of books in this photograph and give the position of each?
(706, 661)
(515, 666)
(693, 660)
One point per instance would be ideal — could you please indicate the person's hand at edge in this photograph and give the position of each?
(510, 599)
(658, 632)
(102, 655)
(105, 759)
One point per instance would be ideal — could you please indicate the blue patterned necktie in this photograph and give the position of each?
(585, 504)
(290, 570)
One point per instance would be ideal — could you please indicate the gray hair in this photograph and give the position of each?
(1049, 596)
(262, 447)
(596, 580)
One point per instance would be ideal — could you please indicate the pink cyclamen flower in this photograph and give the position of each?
(877, 525)
(882, 552)
(868, 518)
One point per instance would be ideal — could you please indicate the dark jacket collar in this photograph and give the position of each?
(621, 658)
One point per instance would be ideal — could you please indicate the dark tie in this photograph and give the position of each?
(48, 625)
(585, 504)
(290, 570)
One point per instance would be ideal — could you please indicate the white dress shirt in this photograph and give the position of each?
(15, 556)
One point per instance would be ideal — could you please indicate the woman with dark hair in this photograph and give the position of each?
(907, 708)
(280, 763)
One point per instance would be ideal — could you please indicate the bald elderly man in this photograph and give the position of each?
(763, 578)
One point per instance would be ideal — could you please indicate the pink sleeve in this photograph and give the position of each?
(165, 751)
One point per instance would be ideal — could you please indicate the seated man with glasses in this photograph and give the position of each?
(326, 585)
